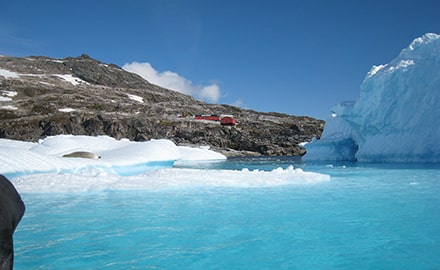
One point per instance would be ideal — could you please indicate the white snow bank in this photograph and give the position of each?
(66, 110)
(66, 77)
(122, 157)
(9, 93)
(69, 78)
(4, 99)
(135, 98)
(8, 74)
(8, 107)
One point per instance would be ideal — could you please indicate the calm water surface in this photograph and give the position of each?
(368, 216)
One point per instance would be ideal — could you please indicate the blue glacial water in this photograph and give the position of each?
(368, 216)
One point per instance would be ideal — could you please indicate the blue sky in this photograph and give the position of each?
(299, 57)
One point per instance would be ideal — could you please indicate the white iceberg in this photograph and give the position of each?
(396, 118)
(121, 157)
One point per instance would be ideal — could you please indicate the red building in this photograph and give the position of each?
(228, 121)
(210, 117)
(224, 120)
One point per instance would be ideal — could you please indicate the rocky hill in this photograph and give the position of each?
(41, 96)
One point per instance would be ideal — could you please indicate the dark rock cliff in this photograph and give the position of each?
(40, 96)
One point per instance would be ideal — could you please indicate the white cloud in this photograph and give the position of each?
(174, 81)
(210, 92)
(238, 103)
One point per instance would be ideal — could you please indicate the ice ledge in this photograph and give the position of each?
(426, 38)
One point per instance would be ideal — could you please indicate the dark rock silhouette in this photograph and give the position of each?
(11, 211)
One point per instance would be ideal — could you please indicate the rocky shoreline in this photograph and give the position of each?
(41, 96)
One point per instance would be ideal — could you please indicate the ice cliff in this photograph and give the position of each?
(397, 116)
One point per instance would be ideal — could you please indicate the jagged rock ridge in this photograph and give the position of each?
(41, 96)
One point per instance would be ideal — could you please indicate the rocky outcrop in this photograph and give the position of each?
(40, 96)
(11, 211)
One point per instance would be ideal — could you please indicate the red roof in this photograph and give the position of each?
(227, 120)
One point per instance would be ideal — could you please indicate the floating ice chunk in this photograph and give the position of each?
(96, 180)
(46, 155)
(121, 157)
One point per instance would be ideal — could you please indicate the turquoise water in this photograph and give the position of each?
(368, 216)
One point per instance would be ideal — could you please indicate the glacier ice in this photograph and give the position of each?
(121, 157)
(397, 116)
